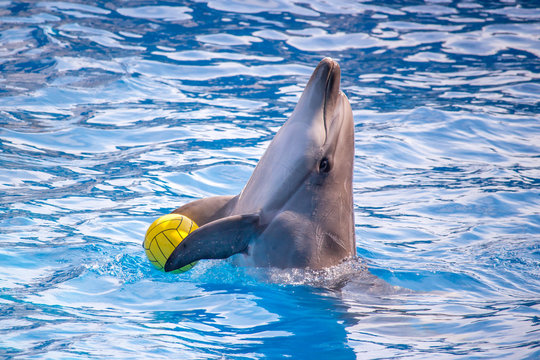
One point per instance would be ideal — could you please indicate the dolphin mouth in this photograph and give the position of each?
(331, 93)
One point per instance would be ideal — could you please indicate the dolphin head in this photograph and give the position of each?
(296, 210)
(302, 186)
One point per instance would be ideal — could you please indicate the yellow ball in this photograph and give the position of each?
(164, 235)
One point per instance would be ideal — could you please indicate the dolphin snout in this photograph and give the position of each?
(326, 65)
(325, 74)
(329, 72)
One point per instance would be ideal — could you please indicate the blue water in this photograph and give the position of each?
(115, 112)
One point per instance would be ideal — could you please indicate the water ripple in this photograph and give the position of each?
(113, 114)
(166, 13)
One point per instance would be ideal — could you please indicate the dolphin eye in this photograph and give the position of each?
(324, 165)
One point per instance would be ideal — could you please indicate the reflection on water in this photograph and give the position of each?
(112, 114)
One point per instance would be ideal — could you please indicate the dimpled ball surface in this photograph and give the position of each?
(164, 235)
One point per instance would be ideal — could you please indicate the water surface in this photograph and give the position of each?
(113, 113)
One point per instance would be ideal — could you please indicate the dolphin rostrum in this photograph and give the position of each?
(296, 210)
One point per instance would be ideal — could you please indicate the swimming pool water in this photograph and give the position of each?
(114, 113)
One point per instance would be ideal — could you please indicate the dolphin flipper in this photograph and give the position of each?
(218, 239)
(207, 210)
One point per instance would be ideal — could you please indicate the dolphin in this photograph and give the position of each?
(296, 210)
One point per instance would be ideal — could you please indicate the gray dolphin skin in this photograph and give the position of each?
(296, 210)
